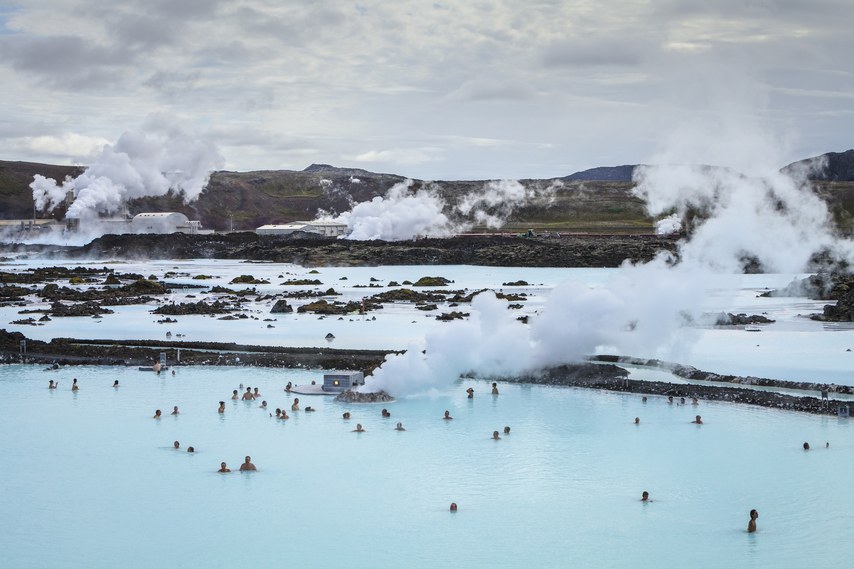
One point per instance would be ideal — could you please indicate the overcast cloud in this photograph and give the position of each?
(449, 90)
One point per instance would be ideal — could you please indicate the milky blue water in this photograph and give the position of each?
(89, 479)
(794, 347)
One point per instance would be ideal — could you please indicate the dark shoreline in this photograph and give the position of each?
(606, 375)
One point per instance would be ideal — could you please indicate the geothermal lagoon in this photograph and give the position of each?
(91, 479)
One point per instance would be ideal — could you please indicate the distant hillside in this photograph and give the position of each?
(598, 200)
(604, 174)
(830, 167)
(16, 197)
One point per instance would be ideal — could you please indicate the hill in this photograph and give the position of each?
(598, 200)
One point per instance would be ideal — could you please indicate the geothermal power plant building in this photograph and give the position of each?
(325, 228)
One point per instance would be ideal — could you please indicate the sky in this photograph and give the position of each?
(465, 89)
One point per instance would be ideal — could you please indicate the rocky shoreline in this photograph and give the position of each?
(605, 375)
(301, 249)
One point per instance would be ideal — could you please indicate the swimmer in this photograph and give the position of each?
(346, 415)
(751, 525)
(637, 420)
(116, 384)
(247, 465)
(278, 412)
(495, 436)
(221, 407)
(256, 394)
(682, 401)
(506, 430)
(157, 414)
(288, 387)
(177, 445)
(263, 405)
(51, 385)
(643, 399)
(223, 467)
(695, 401)
(447, 416)
(234, 395)
(74, 386)
(309, 409)
(191, 449)
(827, 445)
(698, 420)
(248, 395)
(453, 506)
(175, 410)
(399, 427)
(295, 406)
(173, 373)
(494, 388)
(358, 428)
(470, 392)
(386, 414)
(284, 415)
(241, 386)
(645, 497)
(670, 399)
(806, 446)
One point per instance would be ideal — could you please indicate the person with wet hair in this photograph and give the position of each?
(645, 497)
(177, 445)
(506, 430)
(346, 415)
(221, 409)
(223, 468)
(157, 414)
(697, 420)
(175, 410)
(234, 395)
(447, 416)
(295, 404)
(74, 386)
(495, 436)
(806, 446)
(399, 427)
(386, 414)
(751, 525)
(247, 465)
(248, 395)
(494, 388)
(359, 428)
(51, 385)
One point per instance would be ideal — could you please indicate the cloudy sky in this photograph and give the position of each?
(453, 89)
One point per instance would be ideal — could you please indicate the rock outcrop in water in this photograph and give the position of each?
(351, 396)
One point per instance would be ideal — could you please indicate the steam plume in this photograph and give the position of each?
(159, 158)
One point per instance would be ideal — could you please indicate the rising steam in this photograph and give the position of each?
(769, 217)
(403, 214)
(157, 159)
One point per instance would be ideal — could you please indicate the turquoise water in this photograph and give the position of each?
(91, 480)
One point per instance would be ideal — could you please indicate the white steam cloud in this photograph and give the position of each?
(501, 198)
(398, 215)
(403, 214)
(763, 215)
(159, 158)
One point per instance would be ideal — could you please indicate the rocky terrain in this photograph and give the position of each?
(569, 251)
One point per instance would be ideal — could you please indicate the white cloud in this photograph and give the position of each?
(565, 84)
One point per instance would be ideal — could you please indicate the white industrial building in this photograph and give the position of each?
(164, 222)
(325, 228)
